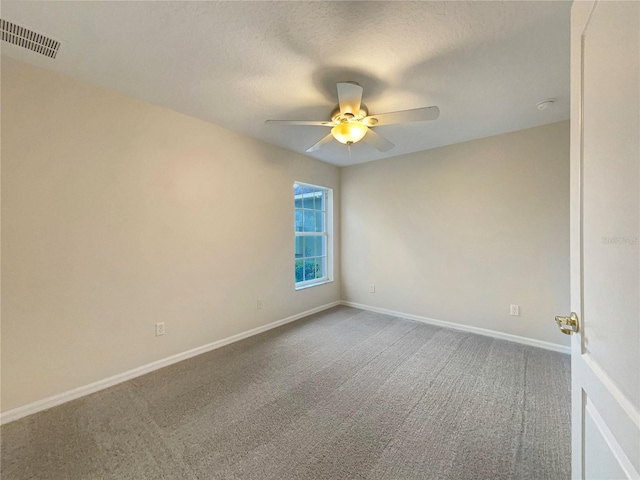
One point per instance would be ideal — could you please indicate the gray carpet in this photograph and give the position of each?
(343, 394)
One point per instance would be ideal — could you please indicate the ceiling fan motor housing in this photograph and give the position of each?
(337, 117)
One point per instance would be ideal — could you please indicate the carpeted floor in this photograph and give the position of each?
(343, 394)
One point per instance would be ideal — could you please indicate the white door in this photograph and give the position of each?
(605, 218)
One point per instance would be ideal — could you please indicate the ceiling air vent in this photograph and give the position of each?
(22, 37)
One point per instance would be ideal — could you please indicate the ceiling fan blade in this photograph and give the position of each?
(403, 116)
(301, 122)
(320, 144)
(378, 141)
(349, 98)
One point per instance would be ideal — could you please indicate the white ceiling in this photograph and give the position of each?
(239, 63)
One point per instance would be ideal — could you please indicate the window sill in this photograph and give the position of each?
(303, 287)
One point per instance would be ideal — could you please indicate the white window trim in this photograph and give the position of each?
(328, 278)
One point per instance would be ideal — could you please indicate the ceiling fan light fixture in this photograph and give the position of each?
(349, 132)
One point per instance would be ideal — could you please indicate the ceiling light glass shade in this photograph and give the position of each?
(349, 132)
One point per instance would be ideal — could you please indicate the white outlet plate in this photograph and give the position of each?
(259, 305)
(372, 289)
(160, 329)
(514, 310)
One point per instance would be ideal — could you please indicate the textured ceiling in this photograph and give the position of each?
(239, 63)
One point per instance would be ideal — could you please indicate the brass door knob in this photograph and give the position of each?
(568, 325)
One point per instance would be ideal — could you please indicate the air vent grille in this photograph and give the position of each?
(23, 37)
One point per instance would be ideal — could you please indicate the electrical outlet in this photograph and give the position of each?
(259, 305)
(159, 329)
(372, 289)
(514, 310)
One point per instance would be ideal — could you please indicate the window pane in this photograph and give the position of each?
(320, 202)
(298, 203)
(298, 220)
(310, 268)
(308, 203)
(299, 271)
(321, 263)
(319, 246)
(309, 222)
(309, 247)
(319, 222)
(299, 247)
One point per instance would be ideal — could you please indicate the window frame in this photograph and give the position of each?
(327, 234)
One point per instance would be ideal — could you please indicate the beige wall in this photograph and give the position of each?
(117, 214)
(461, 232)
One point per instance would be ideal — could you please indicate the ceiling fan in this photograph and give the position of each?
(350, 120)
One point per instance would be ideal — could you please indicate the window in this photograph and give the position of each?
(313, 245)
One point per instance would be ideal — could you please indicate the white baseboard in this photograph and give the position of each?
(44, 404)
(465, 328)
